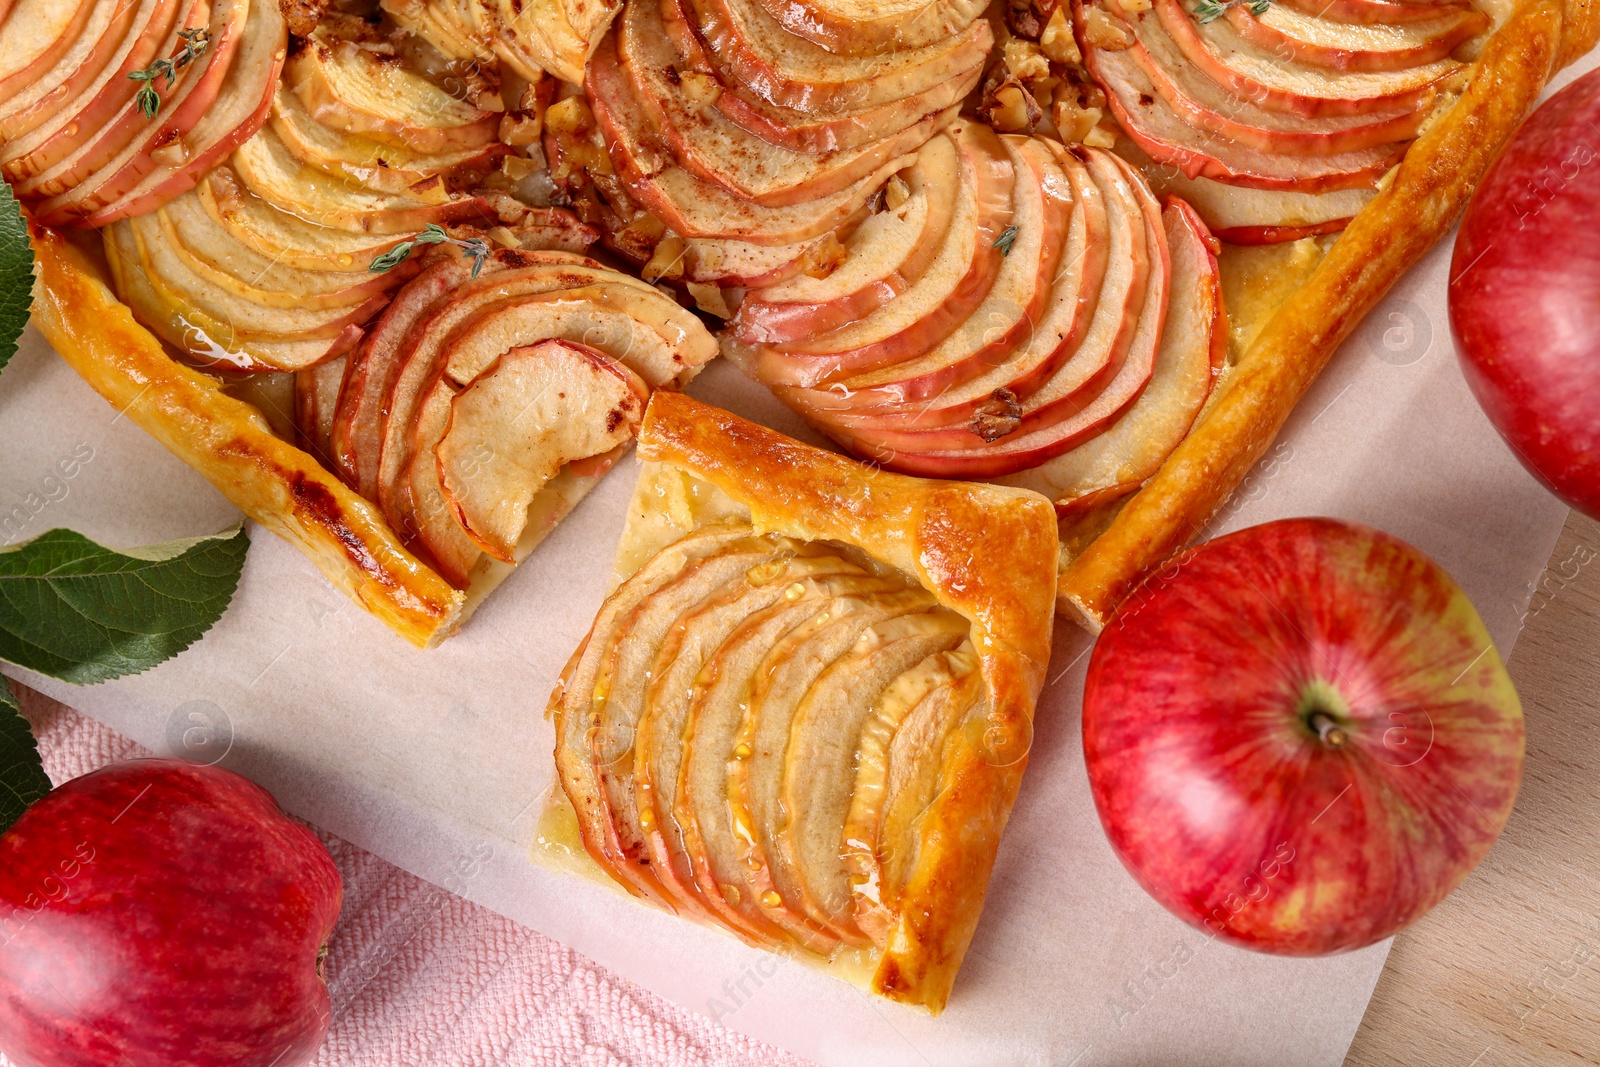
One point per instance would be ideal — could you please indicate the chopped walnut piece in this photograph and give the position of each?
(896, 193)
(824, 257)
(1073, 114)
(1057, 41)
(520, 129)
(709, 298)
(1106, 31)
(700, 89)
(999, 415)
(667, 260)
(302, 15)
(1025, 62)
(1027, 18)
(1010, 108)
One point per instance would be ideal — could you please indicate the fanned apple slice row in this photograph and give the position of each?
(820, 758)
(1230, 118)
(349, 88)
(380, 167)
(1252, 216)
(1055, 346)
(38, 34)
(807, 129)
(575, 705)
(1052, 421)
(897, 775)
(1376, 12)
(1194, 346)
(76, 153)
(270, 171)
(647, 792)
(239, 111)
(887, 254)
(779, 682)
(689, 205)
(210, 251)
(538, 408)
(37, 137)
(933, 307)
(1260, 76)
(35, 98)
(1168, 135)
(699, 655)
(282, 237)
(874, 27)
(1356, 46)
(419, 17)
(196, 336)
(752, 50)
(1009, 313)
(710, 146)
(624, 676)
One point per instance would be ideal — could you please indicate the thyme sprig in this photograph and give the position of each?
(1211, 10)
(476, 249)
(1007, 238)
(148, 101)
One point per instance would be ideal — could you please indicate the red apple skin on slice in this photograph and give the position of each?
(535, 410)
(75, 151)
(182, 109)
(1194, 347)
(103, 36)
(855, 33)
(35, 35)
(572, 705)
(884, 257)
(942, 300)
(1456, 26)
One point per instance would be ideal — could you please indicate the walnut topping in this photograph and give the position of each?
(700, 89)
(520, 129)
(824, 257)
(1027, 18)
(666, 263)
(1010, 108)
(1025, 61)
(896, 193)
(1057, 41)
(1106, 31)
(302, 15)
(999, 415)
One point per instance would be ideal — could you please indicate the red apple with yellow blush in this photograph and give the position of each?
(1300, 737)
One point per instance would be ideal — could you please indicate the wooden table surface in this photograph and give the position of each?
(1507, 969)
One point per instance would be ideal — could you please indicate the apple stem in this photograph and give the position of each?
(1328, 730)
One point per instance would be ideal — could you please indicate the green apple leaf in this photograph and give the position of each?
(16, 274)
(22, 777)
(77, 611)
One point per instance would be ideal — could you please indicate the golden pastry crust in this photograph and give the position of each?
(230, 443)
(1419, 204)
(987, 552)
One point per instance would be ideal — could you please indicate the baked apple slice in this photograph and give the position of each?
(350, 88)
(32, 98)
(269, 170)
(374, 165)
(852, 27)
(315, 398)
(898, 761)
(711, 146)
(512, 428)
(40, 135)
(751, 49)
(1322, 40)
(239, 111)
(1194, 344)
(576, 703)
(887, 254)
(128, 140)
(954, 284)
(284, 237)
(820, 758)
(39, 34)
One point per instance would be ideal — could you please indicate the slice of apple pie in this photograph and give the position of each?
(803, 712)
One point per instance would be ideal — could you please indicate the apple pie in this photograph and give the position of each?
(803, 712)
(401, 276)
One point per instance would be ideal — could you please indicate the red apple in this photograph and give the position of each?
(1525, 294)
(1300, 736)
(163, 912)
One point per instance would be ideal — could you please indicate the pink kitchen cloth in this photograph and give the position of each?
(421, 978)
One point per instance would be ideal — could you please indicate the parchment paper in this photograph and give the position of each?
(440, 761)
